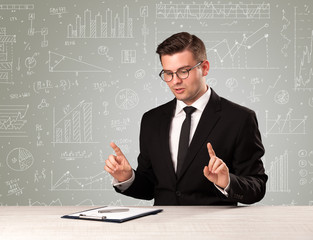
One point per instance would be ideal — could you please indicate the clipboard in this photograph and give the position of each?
(113, 214)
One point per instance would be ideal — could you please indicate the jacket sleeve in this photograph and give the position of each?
(248, 179)
(144, 183)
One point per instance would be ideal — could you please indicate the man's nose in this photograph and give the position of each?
(176, 79)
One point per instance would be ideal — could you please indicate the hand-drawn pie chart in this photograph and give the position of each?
(126, 99)
(20, 159)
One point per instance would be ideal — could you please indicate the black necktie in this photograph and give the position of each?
(184, 139)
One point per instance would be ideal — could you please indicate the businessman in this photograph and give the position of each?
(199, 148)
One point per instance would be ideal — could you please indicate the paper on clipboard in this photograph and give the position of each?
(113, 214)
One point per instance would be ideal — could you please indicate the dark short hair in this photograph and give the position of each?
(180, 42)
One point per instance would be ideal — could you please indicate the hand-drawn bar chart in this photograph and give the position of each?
(75, 126)
(101, 26)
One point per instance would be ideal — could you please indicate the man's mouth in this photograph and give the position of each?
(179, 90)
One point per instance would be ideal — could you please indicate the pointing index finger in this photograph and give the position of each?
(210, 149)
(116, 149)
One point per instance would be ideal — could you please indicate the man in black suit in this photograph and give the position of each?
(175, 174)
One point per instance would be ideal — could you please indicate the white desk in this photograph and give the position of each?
(254, 222)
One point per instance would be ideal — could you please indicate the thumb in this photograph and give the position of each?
(206, 171)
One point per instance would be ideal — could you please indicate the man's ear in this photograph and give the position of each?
(205, 67)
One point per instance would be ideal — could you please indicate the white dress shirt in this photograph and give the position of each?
(179, 118)
(175, 129)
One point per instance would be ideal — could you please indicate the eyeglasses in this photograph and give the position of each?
(181, 73)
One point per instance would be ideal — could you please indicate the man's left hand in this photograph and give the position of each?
(216, 171)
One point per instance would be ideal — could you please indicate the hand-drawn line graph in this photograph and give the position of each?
(56, 202)
(100, 182)
(240, 54)
(285, 125)
(287, 41)
(12, 120)
(6, 56)
(75, 126)
(86, 202)
(14, 7)
(273, 86)
(278, 174)
(61, 63)
(97, 28)
(303, 45)
(213, 11)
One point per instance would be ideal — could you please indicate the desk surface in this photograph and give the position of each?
(253, 222)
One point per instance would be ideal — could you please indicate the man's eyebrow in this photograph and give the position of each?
(186, 66)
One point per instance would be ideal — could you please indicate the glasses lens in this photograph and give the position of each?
(182, 73)
(166, 76)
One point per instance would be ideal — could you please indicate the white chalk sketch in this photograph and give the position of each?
(32, 31)
(273, 86)
(282, 97)
(75, 155)
(19, 159)
(13, 187)
(67, 182)
(12, 120)
(231, 83)
(306, 167)
(57, 11)
(128, 56)
(56, 202)
(103, 50)
(101, 25)
(253, 96)
(278, 180)
(239, 54)
(86, 202)
(61, 63)
(75, 126)
(213, 11)
(303, 48)
(283, 34)
(144, 30)
(126, 99)
(30, 63)
(140, 74)
(285, 125)
(6, 56)
(16, 7)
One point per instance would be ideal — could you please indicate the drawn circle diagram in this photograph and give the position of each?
(212, 82)
(20, 159)
(30, 62)
(140, 74)
(126, 99)
(231, 83)
(282, 97)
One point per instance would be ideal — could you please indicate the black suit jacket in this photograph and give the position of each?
(233, 132)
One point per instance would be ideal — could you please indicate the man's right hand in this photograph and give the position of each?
(118, 166)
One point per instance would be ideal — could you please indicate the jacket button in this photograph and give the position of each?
(178, 193)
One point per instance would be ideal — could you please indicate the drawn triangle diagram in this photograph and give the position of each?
(61, 63)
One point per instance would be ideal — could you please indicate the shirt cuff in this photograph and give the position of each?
(225, 190)
(123, 186)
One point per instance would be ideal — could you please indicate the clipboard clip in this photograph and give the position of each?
(92, 217)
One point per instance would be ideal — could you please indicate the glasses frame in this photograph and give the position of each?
(188, 70)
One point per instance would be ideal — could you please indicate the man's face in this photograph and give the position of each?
(192, 88)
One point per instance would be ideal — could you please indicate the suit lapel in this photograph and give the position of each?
(165, 125)
(208, 120)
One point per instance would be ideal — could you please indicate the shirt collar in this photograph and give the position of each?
(199, 104)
